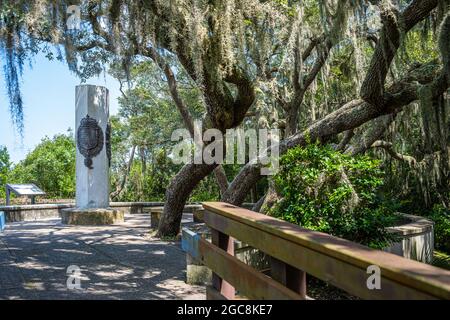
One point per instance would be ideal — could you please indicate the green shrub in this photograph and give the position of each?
(331, 192)
(441, 218)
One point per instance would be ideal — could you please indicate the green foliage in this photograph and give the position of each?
(441, 260)
(206, 190)
(148, 101)
(151, 185)
(331, 192)
(149, 182)
(441, 218)
(418, 47)
(51, 166)
(4, 169)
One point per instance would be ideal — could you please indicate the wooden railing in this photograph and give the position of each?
(295, 252)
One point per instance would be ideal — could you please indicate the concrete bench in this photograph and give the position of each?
(155, 216)
(2, 221)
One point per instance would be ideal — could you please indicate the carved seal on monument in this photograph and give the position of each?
(89, 139)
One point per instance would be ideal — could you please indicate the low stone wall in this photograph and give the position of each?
(34, 212)
(134, 207)
(45, 211)
(416, 239)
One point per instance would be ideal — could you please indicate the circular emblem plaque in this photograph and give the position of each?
(89, 139)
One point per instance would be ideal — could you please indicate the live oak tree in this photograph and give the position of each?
(272, 60)
(377, 100)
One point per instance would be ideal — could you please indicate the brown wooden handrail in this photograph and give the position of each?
(296, 251)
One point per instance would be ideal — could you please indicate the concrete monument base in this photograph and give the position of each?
(91, 217)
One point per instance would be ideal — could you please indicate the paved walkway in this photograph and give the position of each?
(116, 262)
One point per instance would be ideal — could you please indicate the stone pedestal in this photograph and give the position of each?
(93, 150)
(155, 216)
(91, 216)
(415, 238)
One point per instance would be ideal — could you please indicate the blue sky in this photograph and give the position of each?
(48, 90)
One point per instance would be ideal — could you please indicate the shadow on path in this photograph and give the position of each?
(116, 262)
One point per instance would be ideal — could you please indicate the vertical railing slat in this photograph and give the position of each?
(289, 276)
(226, 243)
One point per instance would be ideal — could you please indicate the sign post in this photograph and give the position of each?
(29, 190)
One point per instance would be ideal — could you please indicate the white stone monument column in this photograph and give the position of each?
(92, 108)
(92, 159)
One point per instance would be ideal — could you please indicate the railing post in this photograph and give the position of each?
(289, 276)
(224, 242)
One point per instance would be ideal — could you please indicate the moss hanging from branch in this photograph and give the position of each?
(444, 43)
(13, 53)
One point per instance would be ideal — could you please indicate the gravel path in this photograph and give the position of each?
(116, 262)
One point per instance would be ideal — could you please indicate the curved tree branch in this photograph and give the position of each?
(348, 117)
(389, 149)
(394, 24)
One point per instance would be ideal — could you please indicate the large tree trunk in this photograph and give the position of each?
(178, 193)
(291, 121)
(143, 160)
